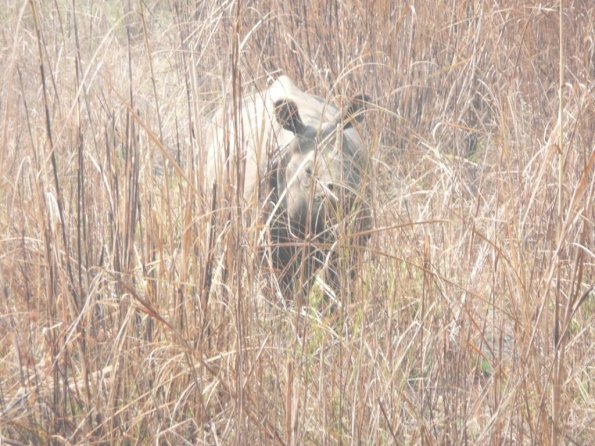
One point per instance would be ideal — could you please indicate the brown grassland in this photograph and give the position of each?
(134, 308)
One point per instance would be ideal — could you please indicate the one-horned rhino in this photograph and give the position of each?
(300, 160)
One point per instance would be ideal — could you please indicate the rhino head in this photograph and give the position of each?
(320, 170)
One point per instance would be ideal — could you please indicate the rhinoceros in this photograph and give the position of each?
(300, 160)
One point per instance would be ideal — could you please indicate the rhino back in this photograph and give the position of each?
(258, 135)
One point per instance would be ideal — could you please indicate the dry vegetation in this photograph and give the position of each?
(133, 311)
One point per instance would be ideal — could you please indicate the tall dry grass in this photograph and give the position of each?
(133, 309)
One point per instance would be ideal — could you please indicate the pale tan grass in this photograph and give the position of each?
(134, 305)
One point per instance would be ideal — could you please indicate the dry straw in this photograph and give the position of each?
(135, 308)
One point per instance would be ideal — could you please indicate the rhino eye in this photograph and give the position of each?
(309, 171)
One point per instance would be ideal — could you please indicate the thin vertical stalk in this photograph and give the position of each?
(557, 346)
(237, 126)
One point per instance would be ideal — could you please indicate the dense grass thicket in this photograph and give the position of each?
(134, 308)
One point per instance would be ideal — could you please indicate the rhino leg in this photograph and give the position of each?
(292, 264)
(341, 271)
(283, 257)
(339, 275)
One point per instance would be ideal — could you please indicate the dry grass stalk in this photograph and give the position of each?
(134, 308)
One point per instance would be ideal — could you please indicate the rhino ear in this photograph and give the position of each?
(355, 111)
(288, 116)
